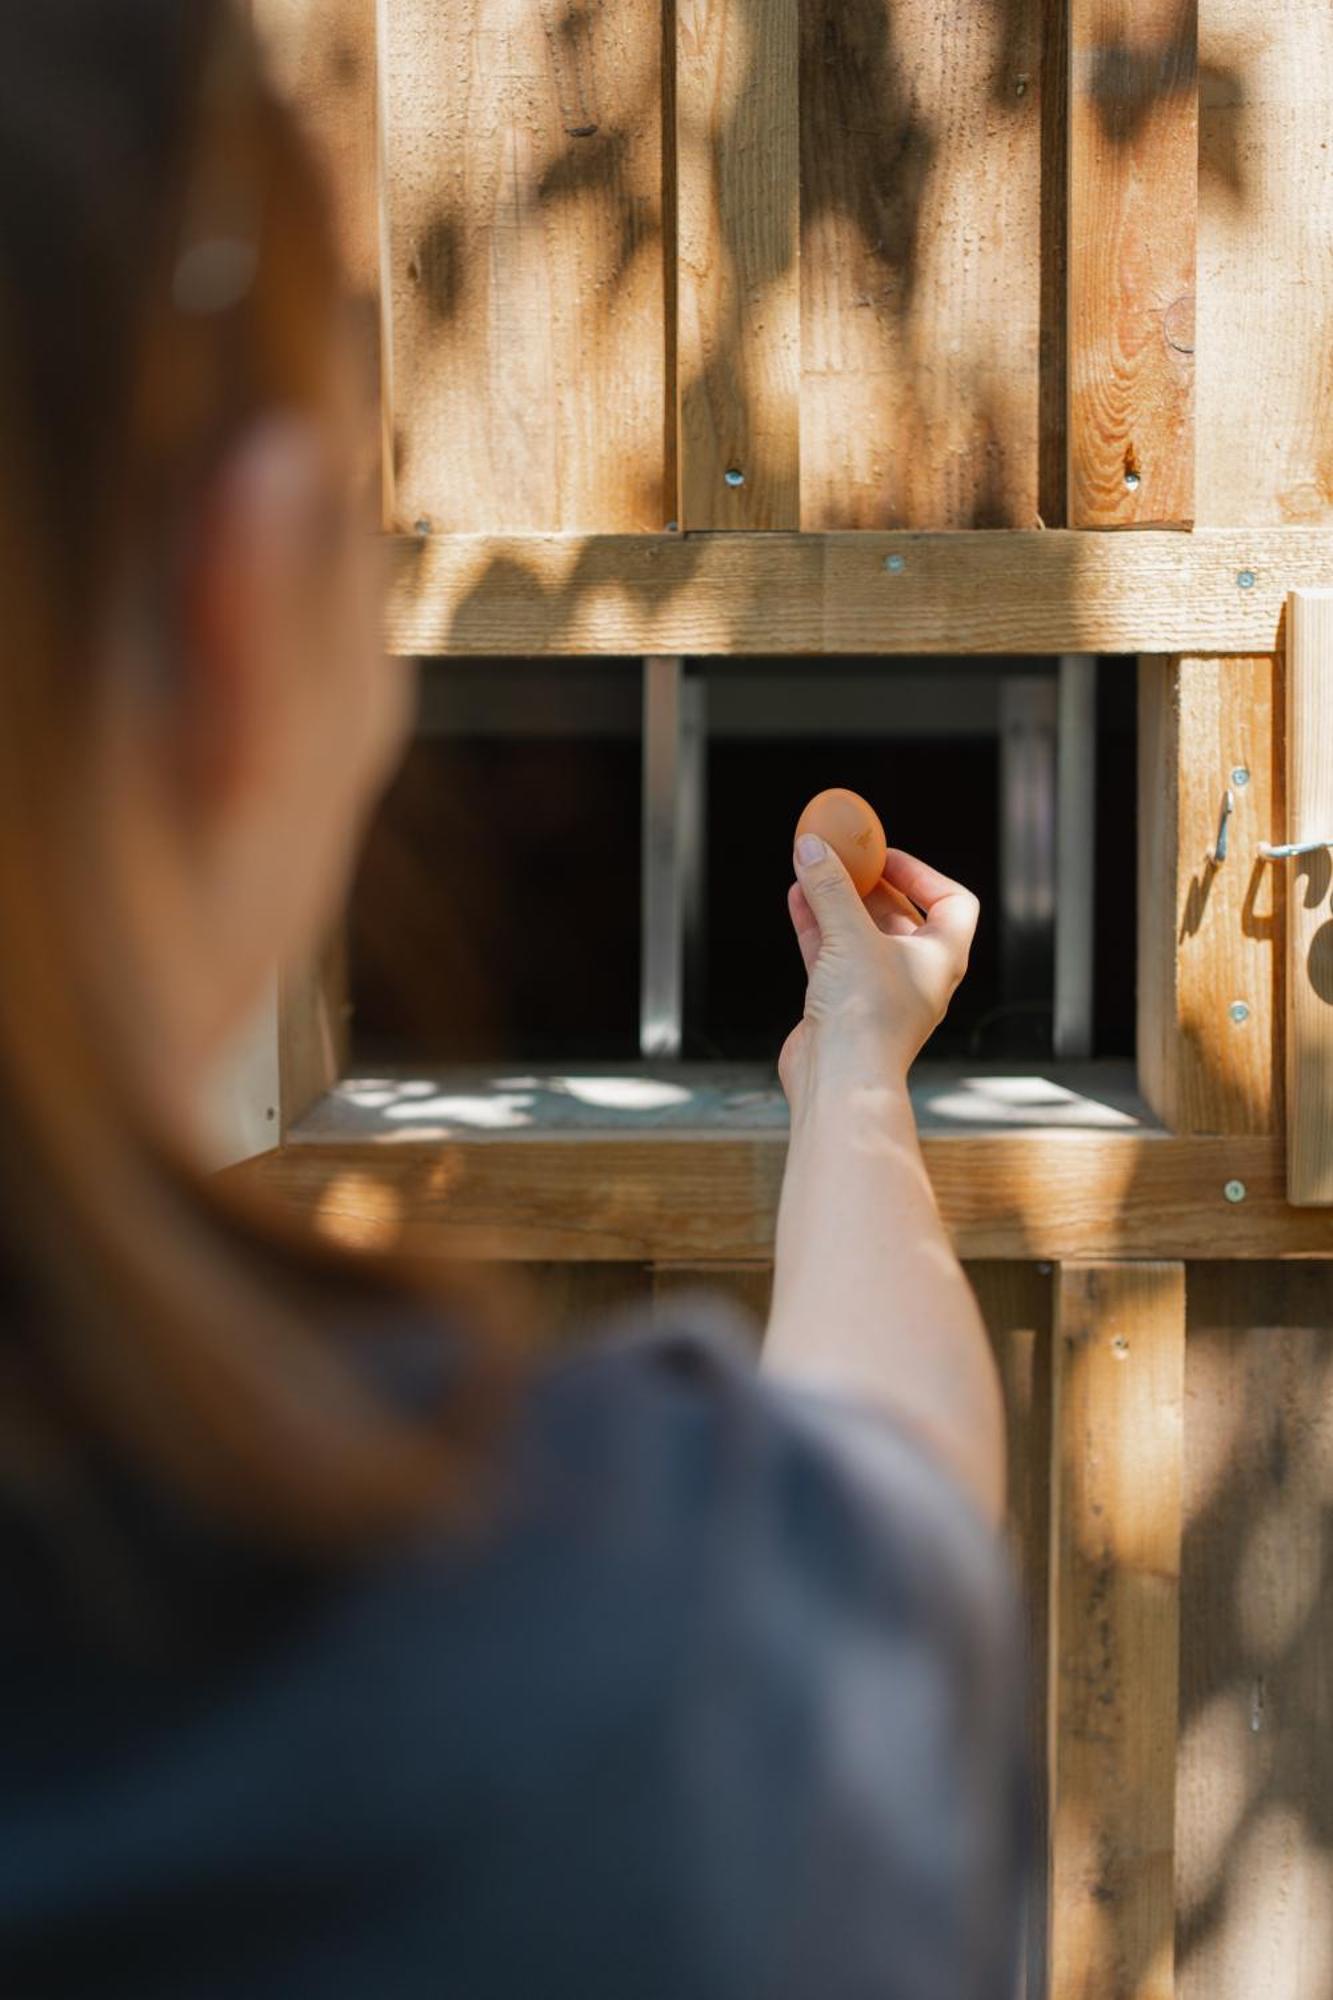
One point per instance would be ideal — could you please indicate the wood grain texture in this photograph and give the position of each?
(1133, 194)
(1209, 931)
(921, 144)
(1309, 676)
(677, 1200)
(986, 591)
(1016, 1302)
(738, 196)
(324, 59)
(524, 155)
(1265, 362)
(1115, 1628)
(1254, 1822)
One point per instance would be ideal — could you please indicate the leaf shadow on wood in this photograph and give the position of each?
(1255, 1809)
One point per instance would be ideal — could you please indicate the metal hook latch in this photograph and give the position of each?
(1291, 847)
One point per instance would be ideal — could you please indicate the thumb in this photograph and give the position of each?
(829, 890)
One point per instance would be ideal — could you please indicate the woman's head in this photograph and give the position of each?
(210, 711)
(194, 717)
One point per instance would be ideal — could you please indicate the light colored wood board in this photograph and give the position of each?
(1253, 1828)
(981, 591)
(524, 155)
(920, 264)
(1016, 1302)
(679, 1200)
(1265, 360)
(1209, 931)
(1309, 685)
(738, 279)
(1115, 1627)
(312, 1029)
(323, 57)
(1133, 202)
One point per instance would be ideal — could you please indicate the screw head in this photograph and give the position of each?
(734, 476)
(421, 527)
(1240, 777)
(894, 565)
(1245, 579)
(1235, 1190)
(1239, 1011)
(1133, 481)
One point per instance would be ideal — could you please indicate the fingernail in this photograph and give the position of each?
(810, 848)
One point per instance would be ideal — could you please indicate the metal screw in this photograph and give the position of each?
(1238, 1011)
(1245, 579)
(422, 527)
(894, 565)
(1235, 1190)
(1240, 777)
(673, 527)
(1133, 480)
(734, 476)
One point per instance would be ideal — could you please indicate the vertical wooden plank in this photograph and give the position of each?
(738, 202)
(1116, 1499)
(1133, 199)
(1309, 916)
(921, 303)
(1265, 386)
(524, 155)
(1254, 1830)
(1016, 1302)
(1210, 970)
(323, 57)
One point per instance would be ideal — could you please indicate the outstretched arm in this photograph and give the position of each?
(869, 1299)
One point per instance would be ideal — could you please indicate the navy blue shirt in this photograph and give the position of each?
(724, 1703)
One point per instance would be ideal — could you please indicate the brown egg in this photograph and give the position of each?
(852, 830)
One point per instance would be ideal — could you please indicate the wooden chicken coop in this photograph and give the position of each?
(934, 396)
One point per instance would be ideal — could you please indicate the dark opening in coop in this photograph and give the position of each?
(587, 861)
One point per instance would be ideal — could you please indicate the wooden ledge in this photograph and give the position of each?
(1038, 1194)
(965, 592)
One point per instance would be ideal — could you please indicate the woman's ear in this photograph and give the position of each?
(251, 623)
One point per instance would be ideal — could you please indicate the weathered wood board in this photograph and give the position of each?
(1309, 1023)
(1119, 1353)
(1265, 318)
(1133, 189)
(1254, 1826)
(737, 194)
(920, 264)
(523, 154)
(985, 591)
(1210, 931)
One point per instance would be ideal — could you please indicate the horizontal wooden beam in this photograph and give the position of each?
(1057, 1195)
(969, 591)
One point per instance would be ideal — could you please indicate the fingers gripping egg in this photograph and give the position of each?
(852, 829)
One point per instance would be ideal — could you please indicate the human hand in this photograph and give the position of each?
(880, 973)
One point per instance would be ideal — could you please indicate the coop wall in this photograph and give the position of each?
(716, 326)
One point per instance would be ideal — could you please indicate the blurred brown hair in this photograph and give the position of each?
(166, 273)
